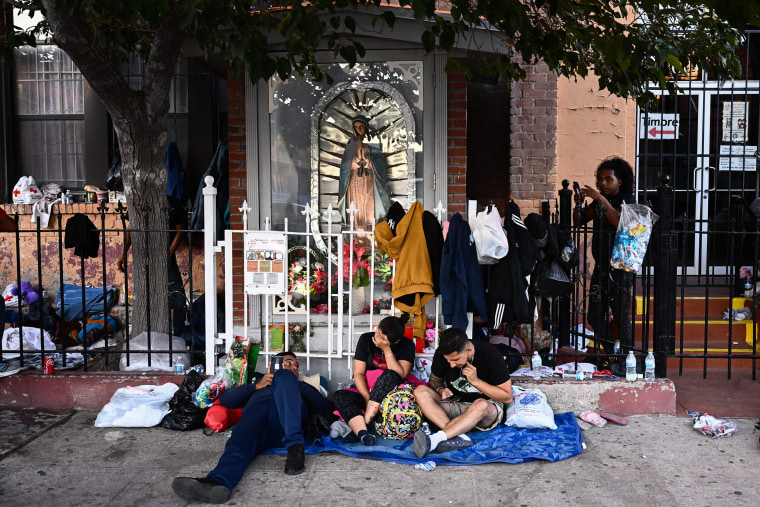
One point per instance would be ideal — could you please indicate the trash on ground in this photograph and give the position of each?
(712, 426)
(735, 315)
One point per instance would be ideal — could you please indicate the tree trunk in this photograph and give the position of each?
(144, 173)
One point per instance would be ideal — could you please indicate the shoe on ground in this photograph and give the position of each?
(454, 444)
(294, 463)
(594, 418)
(421, 445)
(368, 439)
(204, 490)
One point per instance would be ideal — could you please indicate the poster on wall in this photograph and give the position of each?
(265, 255)
(734, 122)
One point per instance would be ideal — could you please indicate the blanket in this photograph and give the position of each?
(501, 444)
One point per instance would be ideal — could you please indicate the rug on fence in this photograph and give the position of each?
(502, 444)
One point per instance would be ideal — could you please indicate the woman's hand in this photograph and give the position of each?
(381, 341)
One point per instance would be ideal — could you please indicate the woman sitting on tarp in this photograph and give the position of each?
(386, 349)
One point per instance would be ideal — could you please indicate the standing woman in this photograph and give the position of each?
(386, 349)
(614, 182)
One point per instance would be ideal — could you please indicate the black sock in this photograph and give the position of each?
(362, 433)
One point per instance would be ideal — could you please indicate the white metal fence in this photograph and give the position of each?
(331, 331)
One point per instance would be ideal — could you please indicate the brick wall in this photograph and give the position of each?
(533, 139)
(457, 144)
(238, 183)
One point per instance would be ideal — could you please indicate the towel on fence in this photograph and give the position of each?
(501, 444)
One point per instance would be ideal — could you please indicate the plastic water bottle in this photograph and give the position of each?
(425, 465)
(535, 364)
(426, 428)
(630, 367)
(649, 367)
(179, 366)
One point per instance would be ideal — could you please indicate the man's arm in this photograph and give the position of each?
(121, 264)
(501, 392)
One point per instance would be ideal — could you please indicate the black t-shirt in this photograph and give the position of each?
(604, 232)
(487, 360)
(368, 352)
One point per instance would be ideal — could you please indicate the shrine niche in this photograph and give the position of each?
(363, 140)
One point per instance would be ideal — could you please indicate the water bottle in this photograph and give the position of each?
(630, 367)
(649, 367)
(179, 366)
(535, 363)
(615, 359)
(426, 428)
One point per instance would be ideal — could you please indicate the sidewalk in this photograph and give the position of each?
(660, 460)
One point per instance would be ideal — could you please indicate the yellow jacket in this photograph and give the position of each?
(414, 275)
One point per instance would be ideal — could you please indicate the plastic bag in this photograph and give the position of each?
(632, 237)
(26, 191)
(211, 388)
(237, 366)
(32, 341)
(530, 409)
(159, 361)
(136, 407)
(490, 239)
(184, 414)
(712, 426)
(553, 281)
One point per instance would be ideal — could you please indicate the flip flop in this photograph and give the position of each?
(594, 418)
(583, 424)
(622, 421)
(604, 375)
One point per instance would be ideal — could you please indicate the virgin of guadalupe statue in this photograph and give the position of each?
(362, 181)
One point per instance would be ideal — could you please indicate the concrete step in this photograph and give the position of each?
(697, 306)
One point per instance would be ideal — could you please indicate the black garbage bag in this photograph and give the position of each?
(318, 425)
(183, 413)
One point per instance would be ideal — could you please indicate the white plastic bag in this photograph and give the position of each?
(159, 361)
(32, 341)
(632, 237)
(530, 409)
(136, 407)
(26, 191)
(490, 239)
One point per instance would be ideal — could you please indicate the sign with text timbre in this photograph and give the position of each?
(658, 126)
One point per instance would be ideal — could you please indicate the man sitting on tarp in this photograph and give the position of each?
(274, 411)
(469, 387)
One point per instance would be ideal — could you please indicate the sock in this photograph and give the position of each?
(436, 438)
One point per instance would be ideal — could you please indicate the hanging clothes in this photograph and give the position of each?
(82, 236)
(219, 169)
(461, 283)
(413, 282)
(508, 281)
(176, 178)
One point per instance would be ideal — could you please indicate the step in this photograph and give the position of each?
(695, 306)
(742, 334)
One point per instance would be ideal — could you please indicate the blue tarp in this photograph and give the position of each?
(502, 444)
(72, 299)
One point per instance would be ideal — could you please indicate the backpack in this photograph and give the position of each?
(399, 415)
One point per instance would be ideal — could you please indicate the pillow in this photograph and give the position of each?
(315, 381)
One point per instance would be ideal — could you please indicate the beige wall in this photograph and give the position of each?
(591, 126)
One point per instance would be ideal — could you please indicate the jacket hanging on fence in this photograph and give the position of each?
(461, 282)
(218, 168)
(508, 297)
(82, 236)
(176, 178)
(413, 282)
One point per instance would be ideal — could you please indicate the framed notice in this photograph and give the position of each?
(265, 255)
(734, 122)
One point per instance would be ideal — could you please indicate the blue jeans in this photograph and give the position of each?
(267, 422)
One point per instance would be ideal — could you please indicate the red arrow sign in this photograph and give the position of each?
(654, 132)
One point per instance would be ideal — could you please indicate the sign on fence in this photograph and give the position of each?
(265, 260)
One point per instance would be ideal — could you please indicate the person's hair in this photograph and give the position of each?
(287, 353)
(622, 170)
(393, 327)
(452, 340)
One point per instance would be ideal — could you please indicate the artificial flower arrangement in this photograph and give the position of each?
(297, 331)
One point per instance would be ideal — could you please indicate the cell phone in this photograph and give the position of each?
(451, 399)
(275, 364)
(577, 188)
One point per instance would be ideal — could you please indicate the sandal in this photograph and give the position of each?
(622, 421)
(604, 375)
(594, 418)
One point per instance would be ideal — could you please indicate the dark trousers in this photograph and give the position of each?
(266, 423)
(351, 404)
(177, 298)
(614, 299)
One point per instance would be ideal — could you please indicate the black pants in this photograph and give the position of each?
(615, 288)
(351, 404)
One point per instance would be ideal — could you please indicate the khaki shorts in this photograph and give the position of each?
(458, 408)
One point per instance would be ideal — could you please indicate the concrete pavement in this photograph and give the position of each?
(659, 460)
